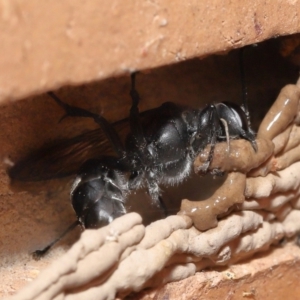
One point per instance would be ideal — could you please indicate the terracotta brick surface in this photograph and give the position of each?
(47, 44)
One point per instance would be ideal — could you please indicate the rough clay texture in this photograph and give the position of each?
(276, 272)
(47, 44)
(173, 249)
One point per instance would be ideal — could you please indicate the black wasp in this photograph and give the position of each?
(158, 150)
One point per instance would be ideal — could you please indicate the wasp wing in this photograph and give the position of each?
(64, 157)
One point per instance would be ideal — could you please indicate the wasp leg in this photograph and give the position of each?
(163, 206)
(155, 194)
(134, 119)
(211, 151)
(209, 129)
(141, 143)
(39, 253)
(249, 136)
(108, 129)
